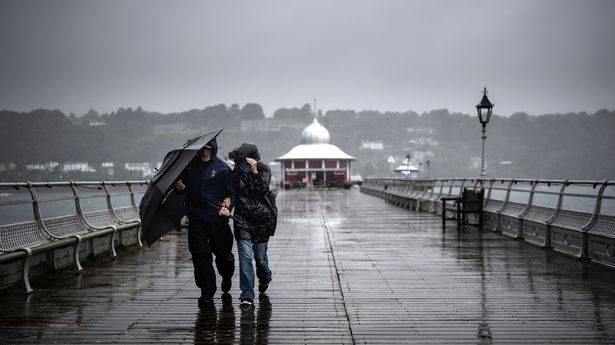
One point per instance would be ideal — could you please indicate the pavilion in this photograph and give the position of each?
(315, 162)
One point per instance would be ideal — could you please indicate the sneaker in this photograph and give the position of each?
(246, 302)
(227, 282)
(204, 301)
(262, 288)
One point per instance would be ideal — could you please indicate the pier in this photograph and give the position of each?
(348, 268)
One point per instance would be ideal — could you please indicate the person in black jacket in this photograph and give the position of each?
(254, 219)
(208, 182)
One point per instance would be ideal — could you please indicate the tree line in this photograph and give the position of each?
(573, 145)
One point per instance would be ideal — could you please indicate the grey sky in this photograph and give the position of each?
(539, 56)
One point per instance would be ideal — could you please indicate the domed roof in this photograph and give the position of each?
(315, 134)
(315, 145)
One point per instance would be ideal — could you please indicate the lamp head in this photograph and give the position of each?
(484, 109)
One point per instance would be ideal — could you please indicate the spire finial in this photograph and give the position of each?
(315, 116)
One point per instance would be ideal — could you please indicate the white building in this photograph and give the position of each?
(315, 161)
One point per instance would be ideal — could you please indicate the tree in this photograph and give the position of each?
(252, 111)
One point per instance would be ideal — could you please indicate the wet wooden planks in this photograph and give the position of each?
(347, 268)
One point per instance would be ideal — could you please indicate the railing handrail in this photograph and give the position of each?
(448, 187)
(34, 200)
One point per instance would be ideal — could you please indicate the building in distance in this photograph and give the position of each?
(315, 162)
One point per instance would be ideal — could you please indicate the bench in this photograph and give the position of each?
(568, 228)
(495, 200)
(516, 202)
(123, 205)
(423, 187)
(541, 207)
(601, 230)
(426, 202)
(448, 191)
(57, 222)
(469, 203)
(576, 218)
(375, 187)
(396, 192)
(19, 241)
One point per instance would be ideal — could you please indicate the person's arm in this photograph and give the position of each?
(260, 180)
(227, 203)
(180, 185)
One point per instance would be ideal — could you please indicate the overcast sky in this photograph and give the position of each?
(538, 56)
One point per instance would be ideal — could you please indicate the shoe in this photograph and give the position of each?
(204, 301)
(262, 288)
(227, 299)
(227, 282)
(246, 302)
(263, 300)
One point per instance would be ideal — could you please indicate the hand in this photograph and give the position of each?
(226, 202)
(224, 212)
(180, 185)
(252, 163)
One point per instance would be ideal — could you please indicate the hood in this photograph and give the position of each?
(249, 150)
(214, 147)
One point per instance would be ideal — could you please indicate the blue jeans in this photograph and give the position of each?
(248, 251)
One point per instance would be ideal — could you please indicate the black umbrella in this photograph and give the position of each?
(161, 209)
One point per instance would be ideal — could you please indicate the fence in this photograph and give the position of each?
(45, 226)
(573, 217)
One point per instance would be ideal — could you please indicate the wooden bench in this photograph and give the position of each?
(470, 202)
(448, 191)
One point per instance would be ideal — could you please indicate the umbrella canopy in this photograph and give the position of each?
(161, 209)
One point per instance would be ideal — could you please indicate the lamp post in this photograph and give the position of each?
(484, 109)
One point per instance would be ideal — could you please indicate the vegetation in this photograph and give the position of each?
(574, 145)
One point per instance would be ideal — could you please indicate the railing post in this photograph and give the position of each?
(530, 199)
(560, 201)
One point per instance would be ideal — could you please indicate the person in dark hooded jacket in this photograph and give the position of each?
(254, 219)
(208, 182)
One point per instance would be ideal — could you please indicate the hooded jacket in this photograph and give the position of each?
(255, 216)
(207, 183)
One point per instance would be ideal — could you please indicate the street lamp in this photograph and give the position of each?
(484, 109)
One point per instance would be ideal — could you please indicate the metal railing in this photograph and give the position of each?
(575, 217)
(42, 217)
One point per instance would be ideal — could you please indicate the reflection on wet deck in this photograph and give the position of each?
(347, 268)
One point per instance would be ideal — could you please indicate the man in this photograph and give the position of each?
(208, 182)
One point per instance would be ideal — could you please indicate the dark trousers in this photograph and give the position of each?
(205, 238)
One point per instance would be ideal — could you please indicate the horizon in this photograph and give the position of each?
(324, 112)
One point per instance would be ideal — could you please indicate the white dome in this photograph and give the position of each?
(315, 134)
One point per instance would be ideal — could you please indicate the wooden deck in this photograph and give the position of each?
(347, 269)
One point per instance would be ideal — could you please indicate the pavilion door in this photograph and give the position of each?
(318, 178)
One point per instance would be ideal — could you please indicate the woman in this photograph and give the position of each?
(255, 219)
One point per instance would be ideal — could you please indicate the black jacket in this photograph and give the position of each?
(255, 211)
(207, 183)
